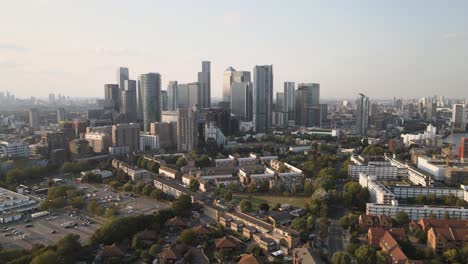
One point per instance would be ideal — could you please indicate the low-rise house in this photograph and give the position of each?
(226, 243)
(427, 223)
(367, 221)
(176, 223)
(441, 239)
(306, 255)
(202, 232)
(251, 259)
(375, 234)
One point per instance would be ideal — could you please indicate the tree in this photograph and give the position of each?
(194, 185)
(47, 257)
(69, 247)
(245, 205)
(342, 257)
(128, 187)
(264, 207)
(187, 237)
(254, 249)
(157, 194)
(251, 187)
(147, 189)
(182, 161)
(182, 206)
(154, 250)
(299, 224)
(402, 218)
(228, 196)
(373, 150)
(365, 255)
(308, 189)
(450, 255)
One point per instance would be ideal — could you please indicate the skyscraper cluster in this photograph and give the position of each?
(248, 97)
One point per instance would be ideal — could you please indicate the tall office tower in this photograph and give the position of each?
(51, 98)
(410, 109)
(150, 88)
(187, 135)
(172, 96)
(126, 135)
(204, 82)
(129, 106)
(187, 95)
(230, 76)
(279, 106)
(323, 114)
(431, 110)
(122, 75)
(164, 100)
(362, 114)
(289, 101)
(262, 97)
(459, 117)
(241, 100)
(33, 118)
(60, 115)
(111, 93)
(308, 104)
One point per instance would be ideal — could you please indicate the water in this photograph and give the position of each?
(456, 140)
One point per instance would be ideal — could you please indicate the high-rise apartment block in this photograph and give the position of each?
(126, 136)
(187, 95)
(112, 95)
(187, 134)
(172, 96)
(459, 117)
(308, 105)
(362, 114)
(167, 132)
(33, 118)
(289, 102)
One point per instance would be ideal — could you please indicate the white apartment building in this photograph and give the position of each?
(149, 142)
(416, 212)
(14, 149)
(382, 172)
(419, 178)
(435, 168)
(378, 192)
(430, 133)
(215, 134)
(404, 192)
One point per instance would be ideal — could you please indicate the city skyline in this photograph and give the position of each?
(382, 50)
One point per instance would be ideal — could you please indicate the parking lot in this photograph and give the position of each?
(45, 231)
(127, 203)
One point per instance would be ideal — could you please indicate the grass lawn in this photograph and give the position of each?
(272, 200)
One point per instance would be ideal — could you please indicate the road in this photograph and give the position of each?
(338, 238)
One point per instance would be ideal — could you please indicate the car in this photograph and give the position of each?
(53, 231)
(27, 220)
(28, 225)
(7, 235)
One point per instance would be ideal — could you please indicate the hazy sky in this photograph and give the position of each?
(380, 48)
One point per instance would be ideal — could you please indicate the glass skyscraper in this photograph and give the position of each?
(150, 88)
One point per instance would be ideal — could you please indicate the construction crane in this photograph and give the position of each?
(449, 154)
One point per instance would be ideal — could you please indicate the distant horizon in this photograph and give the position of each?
(382, 49)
